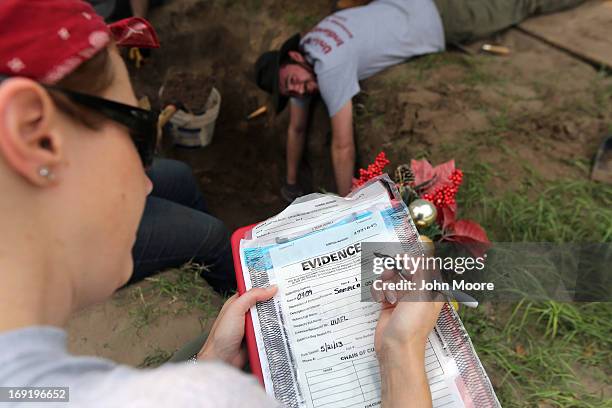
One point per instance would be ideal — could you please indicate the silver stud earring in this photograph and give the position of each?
(45, 172)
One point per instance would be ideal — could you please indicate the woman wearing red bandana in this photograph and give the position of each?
(73, 149)
(176, 226)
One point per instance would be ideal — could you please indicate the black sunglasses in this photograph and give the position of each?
(141, 123)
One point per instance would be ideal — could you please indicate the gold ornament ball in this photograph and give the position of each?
(423, 212)
(428, 245)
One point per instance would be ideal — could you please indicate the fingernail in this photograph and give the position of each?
(391, 297)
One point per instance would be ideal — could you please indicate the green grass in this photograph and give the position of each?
(602, 91)
(562, 211)
(425, 64)
(542, 353)
(492, 137)
(180, 292)
(538, 353)
(418, 68)
(478, 75)
(155, 359)
(187, 286)
(400, 77)
(473, 66)
(147, 311)
(301, 22)
(595, 101)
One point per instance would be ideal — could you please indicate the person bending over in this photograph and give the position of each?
(73, 153)
(353, 44)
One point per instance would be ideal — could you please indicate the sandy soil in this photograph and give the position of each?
(142, 324)
(534, 110)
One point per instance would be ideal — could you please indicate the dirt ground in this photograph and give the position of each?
(537, 111)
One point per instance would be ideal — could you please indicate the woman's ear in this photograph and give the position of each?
(297, 57)
(27, 142)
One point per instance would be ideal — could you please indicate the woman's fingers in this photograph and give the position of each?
(377, 295)
(392, 277)
(249, 298)
(227, 305)
(377, 291)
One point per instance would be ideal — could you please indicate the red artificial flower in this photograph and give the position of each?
(471, 235)
(425, 172)
(441, 184)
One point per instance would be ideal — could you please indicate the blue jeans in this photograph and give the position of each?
(176, 228)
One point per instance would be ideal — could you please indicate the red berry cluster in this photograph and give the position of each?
(456, 177)
(445, 195)
(375, 169)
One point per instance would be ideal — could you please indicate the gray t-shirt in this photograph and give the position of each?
(354, 44)
(37, 356)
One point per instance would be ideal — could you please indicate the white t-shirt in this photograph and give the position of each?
(37, 357)
(354, 44)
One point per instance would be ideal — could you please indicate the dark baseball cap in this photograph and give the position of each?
(267, 67)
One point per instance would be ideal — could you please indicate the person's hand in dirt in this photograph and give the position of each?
(225, 339)
(406, 319)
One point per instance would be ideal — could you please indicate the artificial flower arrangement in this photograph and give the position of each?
(430, 194)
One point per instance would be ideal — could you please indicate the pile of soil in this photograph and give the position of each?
(189, 90)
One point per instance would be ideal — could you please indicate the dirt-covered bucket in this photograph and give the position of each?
(191, 130)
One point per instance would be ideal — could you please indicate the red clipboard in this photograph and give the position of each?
(249, 332)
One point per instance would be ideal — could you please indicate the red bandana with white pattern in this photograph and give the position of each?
(48, 39)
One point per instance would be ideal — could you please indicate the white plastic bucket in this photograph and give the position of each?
(191, 130)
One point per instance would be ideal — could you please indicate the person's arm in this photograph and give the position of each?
(403, 379)
(296, 135)
(405, 322)
(343, 148)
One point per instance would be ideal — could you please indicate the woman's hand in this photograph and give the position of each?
(406, 319)
(405, 324)
(407, 316)
(225, 339)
